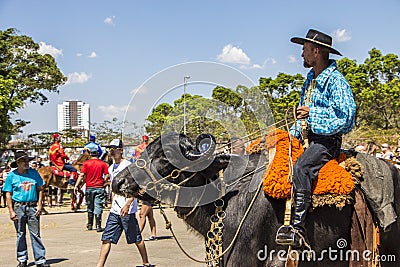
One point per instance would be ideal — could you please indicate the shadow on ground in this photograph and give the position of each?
(50, 261)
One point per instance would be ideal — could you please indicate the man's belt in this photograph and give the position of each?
(29, 204)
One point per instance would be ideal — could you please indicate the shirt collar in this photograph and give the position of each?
(324, 75)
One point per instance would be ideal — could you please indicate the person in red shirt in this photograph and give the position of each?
(142, 147)
(96, 173)
(58, 156)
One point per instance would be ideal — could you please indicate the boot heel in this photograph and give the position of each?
(98, 223)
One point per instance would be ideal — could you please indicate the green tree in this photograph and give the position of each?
(375, 85)
(376, 89)
(25, 75)
(73, 138)
(229, 112)
(200, 116)
(226, 95)
(109, 130)
(44, 139)
(157, 118)
(282, 93)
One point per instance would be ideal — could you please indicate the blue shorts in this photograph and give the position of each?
(114, 226)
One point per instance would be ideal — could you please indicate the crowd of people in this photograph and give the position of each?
(23, 193)
(384, 152)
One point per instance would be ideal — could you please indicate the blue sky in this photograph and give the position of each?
(110, 48)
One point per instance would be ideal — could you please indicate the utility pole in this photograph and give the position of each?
(184, 102)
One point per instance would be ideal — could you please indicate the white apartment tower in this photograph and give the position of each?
(75, 115)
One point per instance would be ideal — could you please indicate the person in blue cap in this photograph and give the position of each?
(92, 143)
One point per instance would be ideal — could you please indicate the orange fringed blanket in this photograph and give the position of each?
(332, 178)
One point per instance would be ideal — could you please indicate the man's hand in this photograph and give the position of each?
(124, 210)
(76, 189)
(38, 210)
(13, 216)
(302, 112)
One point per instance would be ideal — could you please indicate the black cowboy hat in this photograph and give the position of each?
(20, 154)
(317, 37)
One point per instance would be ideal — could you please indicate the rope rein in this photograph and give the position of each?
(168, 225)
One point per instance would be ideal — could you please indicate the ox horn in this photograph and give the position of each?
(205, 146)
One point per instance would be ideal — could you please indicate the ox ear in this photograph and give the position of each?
(205, 146)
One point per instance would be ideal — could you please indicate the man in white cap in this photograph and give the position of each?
(122, 213)
(386, 152)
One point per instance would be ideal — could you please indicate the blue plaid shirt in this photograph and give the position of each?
(332, 106)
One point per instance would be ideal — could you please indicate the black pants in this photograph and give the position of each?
(322, 149)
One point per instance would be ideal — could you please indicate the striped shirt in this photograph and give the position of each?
(332, 105)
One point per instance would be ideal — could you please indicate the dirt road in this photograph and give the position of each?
(68, 243)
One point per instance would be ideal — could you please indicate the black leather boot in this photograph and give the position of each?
(295, 234)
(98, 223)
(89, 225)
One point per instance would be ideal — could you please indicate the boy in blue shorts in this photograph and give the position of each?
(122, 213)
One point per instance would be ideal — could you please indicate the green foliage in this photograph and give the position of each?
(72, 138)
(282, 93)
(157, 118)
(44, 139)
(376, 89)
(227, 96)
(109, 130)
(229, 113)
(25, 75)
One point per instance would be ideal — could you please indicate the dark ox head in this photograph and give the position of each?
(167, 155)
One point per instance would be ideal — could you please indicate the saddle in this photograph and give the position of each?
(72, 176)
(333, 179)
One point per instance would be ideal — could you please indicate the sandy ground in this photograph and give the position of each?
(68, 243)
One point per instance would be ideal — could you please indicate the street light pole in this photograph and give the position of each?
(184, 102)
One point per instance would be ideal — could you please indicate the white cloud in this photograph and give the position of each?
(236, 55)
(292, 59)
(269, 61)
(109, 20)
(254, 66)
(92, 55)
(112, 111)
(77, 77)
(232, 54)
(79, 54)
(341, 35)
(49, 49)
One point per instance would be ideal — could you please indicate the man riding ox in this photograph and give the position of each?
(58, 158)
(326, 111)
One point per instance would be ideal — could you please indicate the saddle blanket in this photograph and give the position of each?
(332, 178)
(73, 176)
